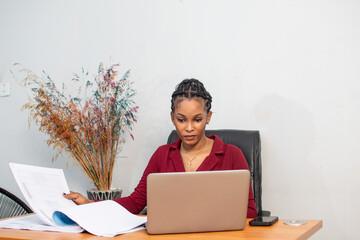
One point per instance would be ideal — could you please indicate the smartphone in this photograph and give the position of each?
(263, 221)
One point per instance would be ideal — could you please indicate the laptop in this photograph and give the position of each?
(185, 202)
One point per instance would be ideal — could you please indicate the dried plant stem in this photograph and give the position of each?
(89, 129)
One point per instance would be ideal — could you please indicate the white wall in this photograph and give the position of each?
(287, 68)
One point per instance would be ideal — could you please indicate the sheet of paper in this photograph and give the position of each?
(105, 218)
(33, 222)
(43, 189)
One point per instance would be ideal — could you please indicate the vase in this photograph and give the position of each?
(94, 194)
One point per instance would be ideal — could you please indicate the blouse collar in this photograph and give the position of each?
(218, 147)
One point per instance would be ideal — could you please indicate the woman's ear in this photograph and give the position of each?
(172, 117)
(208, 117)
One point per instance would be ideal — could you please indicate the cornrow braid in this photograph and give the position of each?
(190, 88)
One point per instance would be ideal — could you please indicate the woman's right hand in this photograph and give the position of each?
(77, 198)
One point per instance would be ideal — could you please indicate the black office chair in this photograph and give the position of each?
(249, 142)
(11, 206)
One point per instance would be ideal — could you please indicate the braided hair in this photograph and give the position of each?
(190, 88)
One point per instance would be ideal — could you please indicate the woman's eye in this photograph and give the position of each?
(180, 120)
(198, 120)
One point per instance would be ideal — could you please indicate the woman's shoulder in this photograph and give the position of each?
(233, 151)
(167, 147)
(233, 154)
(231, 147)
(221, 146)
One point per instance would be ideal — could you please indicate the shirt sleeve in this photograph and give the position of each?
(239, 162)
(136, 202)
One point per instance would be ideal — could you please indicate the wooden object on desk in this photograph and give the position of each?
(277, 231)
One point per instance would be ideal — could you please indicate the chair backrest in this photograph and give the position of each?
(249, 142)
(11, 206)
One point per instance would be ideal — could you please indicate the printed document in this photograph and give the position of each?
(43, 188)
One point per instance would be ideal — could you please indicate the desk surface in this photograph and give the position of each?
(277, 231)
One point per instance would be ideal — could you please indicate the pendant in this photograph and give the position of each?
(189, 163)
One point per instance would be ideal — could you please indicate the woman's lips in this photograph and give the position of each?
(190, 137)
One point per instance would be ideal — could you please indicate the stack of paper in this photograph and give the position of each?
(43, 189)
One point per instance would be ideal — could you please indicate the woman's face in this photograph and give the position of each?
(190, 119)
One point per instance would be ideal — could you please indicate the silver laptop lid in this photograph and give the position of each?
(197, 201)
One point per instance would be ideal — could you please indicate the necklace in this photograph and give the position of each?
(191, 160)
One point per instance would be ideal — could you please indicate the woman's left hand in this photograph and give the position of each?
(77, 198)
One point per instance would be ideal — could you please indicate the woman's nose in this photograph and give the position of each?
(189, 127)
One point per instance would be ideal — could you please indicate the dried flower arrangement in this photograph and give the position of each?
(90, 128)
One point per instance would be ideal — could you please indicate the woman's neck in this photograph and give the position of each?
(194, 156)
(195, 148)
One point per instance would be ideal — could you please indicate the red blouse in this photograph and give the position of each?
(167, 158)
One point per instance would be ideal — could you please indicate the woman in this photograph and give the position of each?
(193, 151)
